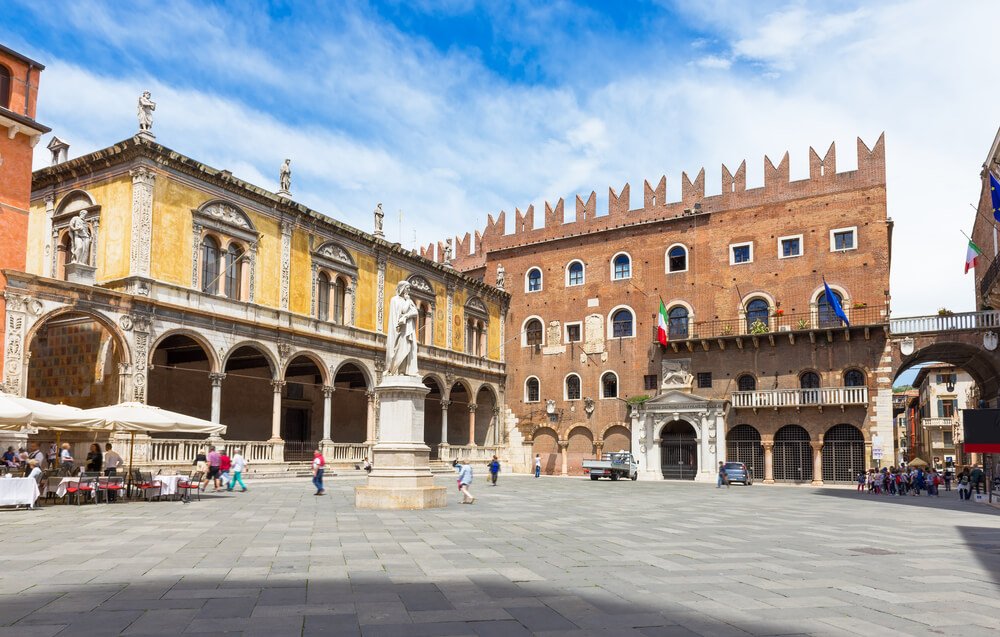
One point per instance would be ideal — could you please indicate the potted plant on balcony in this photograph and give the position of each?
(727, 330)
(943, 311)
(859, 305)
(759, 327)
(802, 324)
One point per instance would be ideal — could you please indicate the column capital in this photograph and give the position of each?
(445, 404)
(472, 407)
(277, 385)
(817, 446)
(767, 444)
(216, 378)
(371, 395)
(563, 444)
(328, 390)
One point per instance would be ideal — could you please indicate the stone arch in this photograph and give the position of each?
(487, 407)
(105, 322)
(350, 412)
(982, 365)
(226, 213)
(545, 443)
(460, 398)
(434, 406)
(616, 437)
(743, 444)
(266, 353)
(792, 454)
(213, 357)
(580, 446)
(679, 457)
(314, 358)
(843, 453)
(74, 196)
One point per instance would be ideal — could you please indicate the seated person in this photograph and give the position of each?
(34, 471)
(10, 458)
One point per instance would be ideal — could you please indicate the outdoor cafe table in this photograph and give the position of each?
(14, 491)
(168, 484)
(59, 485)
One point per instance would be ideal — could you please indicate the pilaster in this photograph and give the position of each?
(142, 220)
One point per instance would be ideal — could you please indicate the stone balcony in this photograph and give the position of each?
(798, 398)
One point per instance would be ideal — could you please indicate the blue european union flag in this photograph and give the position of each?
(834, 304)
(995, 196)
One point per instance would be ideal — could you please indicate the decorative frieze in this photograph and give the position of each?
(286, 262)
(142, 220)
(380, 296)
(449, 331)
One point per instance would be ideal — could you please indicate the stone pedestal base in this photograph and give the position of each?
(80, 273)
(401, 475)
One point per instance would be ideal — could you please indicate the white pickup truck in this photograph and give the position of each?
(612, 465)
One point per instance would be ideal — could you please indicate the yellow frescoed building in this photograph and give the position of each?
(152, 277)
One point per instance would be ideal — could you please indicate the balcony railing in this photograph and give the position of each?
(937, 422)
(945, 322)
(776, 322)
(819, 397)
(166, 451)
(467, 452)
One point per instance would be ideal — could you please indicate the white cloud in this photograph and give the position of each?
(714, 62)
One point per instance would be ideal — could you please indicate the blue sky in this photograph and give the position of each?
(451, 110)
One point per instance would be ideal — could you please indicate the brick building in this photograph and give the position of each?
(758, 366)
(19, 132)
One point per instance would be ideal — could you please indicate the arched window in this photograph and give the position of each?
(757, 314)
(809, 382)
(574, 273)
(532, 390)
(677, 259)
(677, 326)
(63, 255)
(572, 387)
(210, 254)
(533, 332)
(234, 271)
(622, 324)
(746, 382)
(323, 297)
(827, 317)
(4, 86)
(534, 280)
(621, 267)
(609, 385)
(339, 296)
(854, 378)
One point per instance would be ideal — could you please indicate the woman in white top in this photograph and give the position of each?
(34, 471)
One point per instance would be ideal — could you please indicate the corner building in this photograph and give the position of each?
(758, 367)
(204, 294)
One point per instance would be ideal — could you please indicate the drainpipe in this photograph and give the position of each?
(27, 87)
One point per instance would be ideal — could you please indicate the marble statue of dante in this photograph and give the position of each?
(80, 239)
(145, 112)
(379, 217)
(401, 342)
(285, 177)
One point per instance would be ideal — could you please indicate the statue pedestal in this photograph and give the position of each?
(401, 475)
(80, 273)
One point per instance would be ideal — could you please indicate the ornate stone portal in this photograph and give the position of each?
(401, 476)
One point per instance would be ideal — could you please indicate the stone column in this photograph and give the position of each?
(563, 448)
(277, 385)
(768, 461)
(443, 447)
(869, 461)
(599, 448)
(327, 399)
(51, 242)
(370, 434)
(216, 378)
(817, 448)
(472, 424)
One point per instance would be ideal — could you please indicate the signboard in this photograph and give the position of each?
(877, 453)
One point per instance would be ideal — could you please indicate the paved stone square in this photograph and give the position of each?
(544, 557)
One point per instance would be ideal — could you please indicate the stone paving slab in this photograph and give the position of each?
(557, 557)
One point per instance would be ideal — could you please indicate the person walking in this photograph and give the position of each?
(225, 464)
(52, 456)
(977, 478)
(464, 480)
(318, 467)
(964, 485)
(239, 466)
(214, 461)
(66, 459)
(723, 479)
(538, 465)
(949, 474)
(494, 470)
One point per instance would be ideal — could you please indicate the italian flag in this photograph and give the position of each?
(661, 325)
(971, 256)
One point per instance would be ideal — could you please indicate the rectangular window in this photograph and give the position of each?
(946, 408)
(704, 380)
(789, 247)
(573, 333)
(843, 239)
(740, 253)
(649, 381)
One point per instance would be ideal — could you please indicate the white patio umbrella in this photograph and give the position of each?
(13, 415)
(137, 417)
(43, 415)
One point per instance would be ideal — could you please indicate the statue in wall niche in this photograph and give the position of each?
(501, 276)
(401, 342)
(145, 111)
(379, 218)
(79, 234)
(285, 176)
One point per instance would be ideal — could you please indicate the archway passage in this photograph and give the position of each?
(74, 359)
(349, 420)
(981, 364)
(486, 408)
(247, 395)
(580, 448)
(617, 438)
(843, 454)
(678, 451)
(302, 408)
(432, 416)
(545, 443)
(792, 455)
(179, 378)
(458, 415)
(743, 445)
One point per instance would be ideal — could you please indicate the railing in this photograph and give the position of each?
(989, 278)
(346, 452)
(937, 422)
(164, 451)
(945, 322)
(821, 396)
(470, 452)
(775, 322)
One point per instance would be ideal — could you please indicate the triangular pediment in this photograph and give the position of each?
(673, 400)
(674, 396)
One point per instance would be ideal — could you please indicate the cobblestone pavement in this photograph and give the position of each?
(550, 556)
